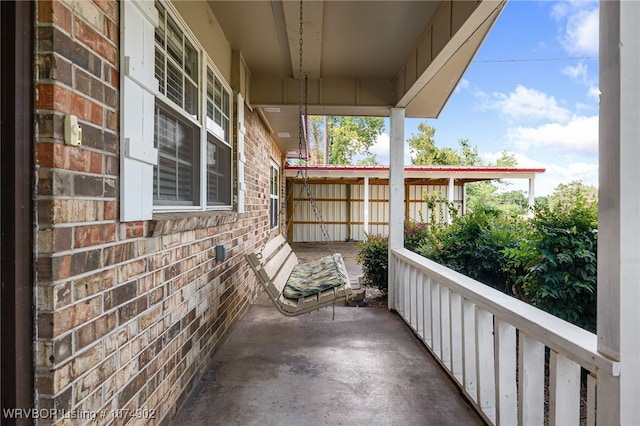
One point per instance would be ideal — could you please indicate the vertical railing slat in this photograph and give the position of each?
(420, 283)
(531, 379)
(469, 348)
(455, 304)
(485, 364)
(426, 314)
(445, 326)
(436, 345)
(413, 306)
(402, 282)
(501, 369)
(505, 368)
(591, 399)
(564, 391)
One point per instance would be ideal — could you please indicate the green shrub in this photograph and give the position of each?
(474, 244)
(374, 256)
(548, 261)
(559, 262)
(415, 233)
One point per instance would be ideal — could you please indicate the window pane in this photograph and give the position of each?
(274, 209)
(160, 27)
(190, 61)
(218, 173)
(191, 98)
(174, 83)
(174, 41)
(176, 175)
(160, 67)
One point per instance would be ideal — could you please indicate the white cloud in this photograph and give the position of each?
(381, 150)
(578, 136)
(578, 73)
(579, 21)
(555, 173)
(463, 84)
(528, 104)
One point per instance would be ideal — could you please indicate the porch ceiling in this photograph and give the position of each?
(361, 57)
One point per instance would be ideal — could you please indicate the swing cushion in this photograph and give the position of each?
(307, 279)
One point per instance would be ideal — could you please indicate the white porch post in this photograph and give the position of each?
(619, 211)
(366, 205)
(450, 189)
(396, 191)
(532, 195)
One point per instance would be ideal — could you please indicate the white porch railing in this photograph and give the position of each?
(494, 346)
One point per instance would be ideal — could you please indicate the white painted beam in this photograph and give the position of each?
(619, 211)
(396, 190)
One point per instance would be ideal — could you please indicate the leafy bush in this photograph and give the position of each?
(374, 256)
(474, 244)
(548, 261)
(415, 233)
(560, 264)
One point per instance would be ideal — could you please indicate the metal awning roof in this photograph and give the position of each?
(334, 172)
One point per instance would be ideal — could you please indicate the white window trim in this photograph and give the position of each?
(276, 166)
(201, 121)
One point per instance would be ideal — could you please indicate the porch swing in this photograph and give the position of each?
(297, 288)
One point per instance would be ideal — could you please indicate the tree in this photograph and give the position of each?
(507, 159)
(566, 195)
(316, 139)
(470, 156)
(351, 136)
(424, 151)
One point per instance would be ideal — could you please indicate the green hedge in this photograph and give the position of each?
(548, 261)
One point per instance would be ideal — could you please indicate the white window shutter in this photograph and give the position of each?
(241, 156)
(138, 89)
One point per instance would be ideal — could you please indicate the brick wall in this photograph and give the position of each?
(127, 314)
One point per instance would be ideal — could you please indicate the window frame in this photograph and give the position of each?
(274, 199)
(200, 121)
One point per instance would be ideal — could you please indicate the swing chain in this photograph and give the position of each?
(303, 160)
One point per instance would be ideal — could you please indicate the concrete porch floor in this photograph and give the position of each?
(363, 367)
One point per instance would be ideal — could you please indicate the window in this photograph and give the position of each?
(274, 208)
(194, 169)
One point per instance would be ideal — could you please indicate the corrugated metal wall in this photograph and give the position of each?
(341, 207)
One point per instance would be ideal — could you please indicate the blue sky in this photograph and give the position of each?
(531, 90)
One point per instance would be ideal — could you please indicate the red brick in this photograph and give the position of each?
(112, 120)
(96, 41)
(93, 284)
(135, 229)
(110, 210)
(75, 315)
(95, 162)
(110, 8)
(62, 239)
(111, 30)
(115, 78)
(94, 235)
(44, 154)
(76, 159)
(92, 331)
(131, 270)
(54, 11)
(45, 11)
(60, 267)
(85, 108)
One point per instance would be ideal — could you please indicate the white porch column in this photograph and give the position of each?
(366, 205)
(619, 211)
(396, 191)
(450, 200)
(532, 195)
